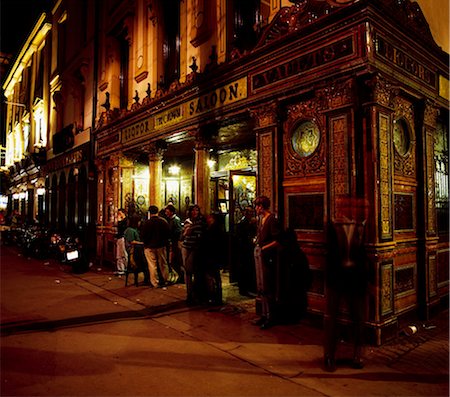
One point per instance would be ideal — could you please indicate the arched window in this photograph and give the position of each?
(62, 202)
(71, 194)
(54, 202)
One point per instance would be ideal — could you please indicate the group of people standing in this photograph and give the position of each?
(191, 252)
(195, 252)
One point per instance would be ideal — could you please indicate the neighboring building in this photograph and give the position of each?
(313, 103)
(49, 119)
(26, 124)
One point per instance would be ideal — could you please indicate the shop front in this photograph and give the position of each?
(310, 118)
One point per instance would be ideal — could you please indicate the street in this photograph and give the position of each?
(89, 335)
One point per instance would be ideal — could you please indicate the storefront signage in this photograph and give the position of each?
(404, 61)
(307, 62)
(221, 96)
(67, 160)
(169, 117)
(136, 130)
(229, 93)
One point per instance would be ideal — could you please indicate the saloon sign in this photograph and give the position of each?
(215, 99)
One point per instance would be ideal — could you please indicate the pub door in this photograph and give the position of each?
(232, 192)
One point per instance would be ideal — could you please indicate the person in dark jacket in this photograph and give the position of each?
(175, 259)
(213, 253)
(155, 236)
(193, 229)
(266, 257)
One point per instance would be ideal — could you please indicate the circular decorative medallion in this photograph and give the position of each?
(402, 138)
(306, 138)
(140, 200)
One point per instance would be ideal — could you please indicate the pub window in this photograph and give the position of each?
(39, 89)
(243, 19)
(441, 158)
(124, 48)
(171, 41)
(62, 32)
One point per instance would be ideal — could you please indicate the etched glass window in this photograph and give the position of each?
(401, 137)
(306, 138)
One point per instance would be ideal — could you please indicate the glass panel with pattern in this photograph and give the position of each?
(306, 138)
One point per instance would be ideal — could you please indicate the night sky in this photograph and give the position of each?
(17, 20)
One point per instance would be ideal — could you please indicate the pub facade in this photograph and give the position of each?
(332, 100)
(313, 103)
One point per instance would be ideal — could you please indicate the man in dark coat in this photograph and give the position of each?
(155, 236)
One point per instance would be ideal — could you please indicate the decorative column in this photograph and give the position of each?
(378, 120)
(201, 175)
(155, 160)
(266, 129)
(100, 166)
(428, 247)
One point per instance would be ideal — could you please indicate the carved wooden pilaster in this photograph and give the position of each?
(155, 157)
(379, 141)
(266, 119)
(430, 120)
(265, 115)
(100, 167)
(202, 173)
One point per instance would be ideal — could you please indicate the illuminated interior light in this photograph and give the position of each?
(174, 169)
(211, 163)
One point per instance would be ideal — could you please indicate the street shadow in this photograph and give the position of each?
(16, 327)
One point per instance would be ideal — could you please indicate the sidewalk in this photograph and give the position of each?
(424, 352)
(291, 355)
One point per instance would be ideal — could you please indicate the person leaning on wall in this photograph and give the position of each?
(121, 252)
(266, 257)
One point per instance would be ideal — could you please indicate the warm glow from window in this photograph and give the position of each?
(18, 143)
(9, 158)
(40, 127)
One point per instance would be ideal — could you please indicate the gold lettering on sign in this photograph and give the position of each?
(385, 178)
(136, 130)
(229, 93)
(169, 117)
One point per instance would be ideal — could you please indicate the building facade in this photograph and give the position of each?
(312, 103)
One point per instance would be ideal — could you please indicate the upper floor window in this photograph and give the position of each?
(26, 132)
(124, 50)
(441, 158)
(39, 125)
(243, 17)
(18, 143)
(171, 41)
(62, 40)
